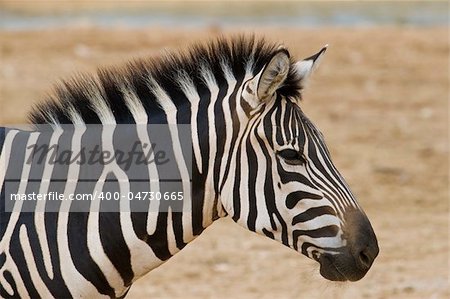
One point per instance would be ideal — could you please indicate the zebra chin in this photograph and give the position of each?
(341, 267)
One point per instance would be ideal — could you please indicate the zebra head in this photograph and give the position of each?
(286, 186)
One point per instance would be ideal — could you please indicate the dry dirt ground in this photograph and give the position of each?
(381, 99)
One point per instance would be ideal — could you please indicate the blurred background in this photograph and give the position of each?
(380, 97)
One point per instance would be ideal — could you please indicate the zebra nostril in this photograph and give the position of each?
(364, 259)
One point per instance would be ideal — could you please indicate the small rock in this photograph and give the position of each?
(221, 267)
(82, 51)
(426, 113)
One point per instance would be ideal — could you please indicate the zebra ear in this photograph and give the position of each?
(273, 75)
(306, 66)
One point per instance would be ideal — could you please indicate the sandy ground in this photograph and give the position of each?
(381, 99)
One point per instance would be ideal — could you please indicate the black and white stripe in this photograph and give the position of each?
(256, 157)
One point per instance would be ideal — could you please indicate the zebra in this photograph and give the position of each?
(256, 157)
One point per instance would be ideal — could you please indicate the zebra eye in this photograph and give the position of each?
(292, 157)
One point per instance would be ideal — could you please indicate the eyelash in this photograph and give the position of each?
(292, 157)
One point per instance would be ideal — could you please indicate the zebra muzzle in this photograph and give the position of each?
(355, 259)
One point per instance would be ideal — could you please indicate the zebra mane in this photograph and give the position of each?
(79, 98)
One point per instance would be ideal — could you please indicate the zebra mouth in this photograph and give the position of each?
(329, 270)
(341, 267)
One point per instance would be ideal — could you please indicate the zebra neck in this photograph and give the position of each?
(122, 245)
